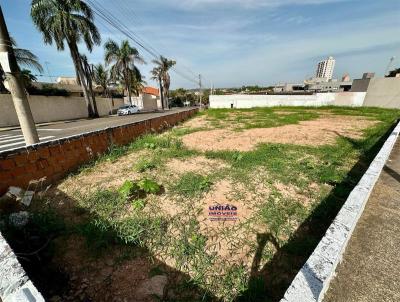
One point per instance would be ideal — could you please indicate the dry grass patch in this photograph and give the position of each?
(198, 122)
(108, 174)
(198, 164)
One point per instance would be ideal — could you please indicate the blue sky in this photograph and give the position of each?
(239, 42)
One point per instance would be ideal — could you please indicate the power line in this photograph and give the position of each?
(118, 25)
(105, 15)
(128, 9)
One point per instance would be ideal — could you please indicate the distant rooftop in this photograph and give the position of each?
(151, 90)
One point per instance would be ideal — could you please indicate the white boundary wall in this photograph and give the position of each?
(54, 108)
(354, 99)
(312, 281)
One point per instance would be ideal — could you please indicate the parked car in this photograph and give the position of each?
(127, 110)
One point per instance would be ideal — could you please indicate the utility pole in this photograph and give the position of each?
(200, 92)
(14, 84)
(48, 71)
(389, 65)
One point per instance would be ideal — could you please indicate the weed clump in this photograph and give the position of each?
(145, 165)
(191, 185)
(139, 188)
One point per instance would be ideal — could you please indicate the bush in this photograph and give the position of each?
(48, 90)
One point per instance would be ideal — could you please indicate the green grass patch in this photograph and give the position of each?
(144, 165)
(192, 185)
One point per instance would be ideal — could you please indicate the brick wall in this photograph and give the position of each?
(55, 159)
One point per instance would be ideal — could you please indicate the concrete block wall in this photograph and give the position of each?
(105, 105)
(54, 159)
(383, 92)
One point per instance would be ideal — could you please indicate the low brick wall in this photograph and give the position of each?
(55, 159)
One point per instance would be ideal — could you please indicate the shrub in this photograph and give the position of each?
(48, 90)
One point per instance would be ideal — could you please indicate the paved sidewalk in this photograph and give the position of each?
(370, 270)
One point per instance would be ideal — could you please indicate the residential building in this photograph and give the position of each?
(148, 99)
(330, 86)
(288, 87)
(323, 84)
(325, 69)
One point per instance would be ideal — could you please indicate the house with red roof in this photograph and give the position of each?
(148, 99)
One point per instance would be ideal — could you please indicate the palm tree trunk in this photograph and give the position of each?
(161, 93)
(165, 90)
(127, 86)
(88, 76)
(96, 113)
(78, 78)
(79, 69)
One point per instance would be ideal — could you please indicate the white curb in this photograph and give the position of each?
(312, 281)
(14, 283)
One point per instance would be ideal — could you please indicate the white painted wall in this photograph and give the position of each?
(146, 102)
(319, 99)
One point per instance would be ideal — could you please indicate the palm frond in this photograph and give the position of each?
(28, 59)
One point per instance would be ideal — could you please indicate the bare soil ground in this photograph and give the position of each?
(317, 132)
(276, 168)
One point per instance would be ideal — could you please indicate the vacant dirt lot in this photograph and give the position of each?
(236, 199)
(321, 131)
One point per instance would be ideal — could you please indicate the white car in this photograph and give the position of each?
(127, 110)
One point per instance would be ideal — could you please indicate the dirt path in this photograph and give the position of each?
(371, 266)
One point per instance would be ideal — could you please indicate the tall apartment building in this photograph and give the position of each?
(325, 68)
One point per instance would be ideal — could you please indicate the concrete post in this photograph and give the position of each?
(14, 84)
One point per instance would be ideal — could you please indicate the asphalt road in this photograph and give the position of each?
(12, 138)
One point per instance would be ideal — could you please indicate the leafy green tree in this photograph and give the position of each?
(393, 73)
(70, 22)
(123, 58)
(160, 73)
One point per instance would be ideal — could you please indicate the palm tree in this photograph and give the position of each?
(137, 81)
(70, 22)
(156, 75)
(123, 58)
(25, 58)
(87, 69)
(163, 65)
(27, 78)
(101, 77)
